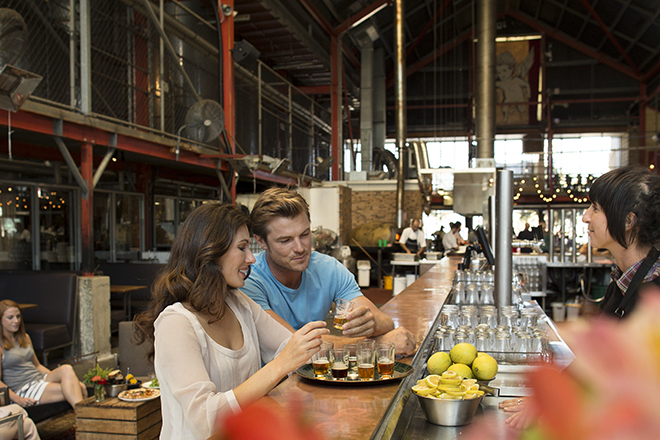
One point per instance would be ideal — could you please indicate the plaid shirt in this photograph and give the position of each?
(623, 279)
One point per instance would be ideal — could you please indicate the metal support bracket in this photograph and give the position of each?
(223, 182)
(84, 188)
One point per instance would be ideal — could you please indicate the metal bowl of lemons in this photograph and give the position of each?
(449, 412)
(448, 399)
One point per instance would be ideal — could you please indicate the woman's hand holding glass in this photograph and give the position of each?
(302, 345)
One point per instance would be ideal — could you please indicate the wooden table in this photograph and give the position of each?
(355, 412)
(27, 306)
(126, 291)
(115, 419)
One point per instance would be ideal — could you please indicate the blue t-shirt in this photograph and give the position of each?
(324, 281)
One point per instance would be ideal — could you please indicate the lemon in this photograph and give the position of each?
(432, 380)
(438, 362)
(484, 367)
(463, 353)
(468, 382)
(462, 370)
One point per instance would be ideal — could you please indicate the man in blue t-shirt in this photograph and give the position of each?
(295, 285)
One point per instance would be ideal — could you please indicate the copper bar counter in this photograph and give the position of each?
(371, 411)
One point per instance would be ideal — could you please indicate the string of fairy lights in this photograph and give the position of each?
(575, 188)
(47, 201)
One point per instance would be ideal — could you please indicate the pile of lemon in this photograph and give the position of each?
(463, 359)
(448, 386)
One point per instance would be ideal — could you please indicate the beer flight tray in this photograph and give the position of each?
(401, 370)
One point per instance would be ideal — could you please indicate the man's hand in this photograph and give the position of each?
(404, 341)
(361, 322)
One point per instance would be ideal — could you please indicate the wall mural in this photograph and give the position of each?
(517, 81)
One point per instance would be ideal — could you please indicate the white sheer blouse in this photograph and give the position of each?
(197, 375)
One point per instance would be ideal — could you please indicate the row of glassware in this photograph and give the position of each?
(518, 337)
(477, 287)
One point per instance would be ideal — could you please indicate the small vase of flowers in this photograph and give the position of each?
(97, 377)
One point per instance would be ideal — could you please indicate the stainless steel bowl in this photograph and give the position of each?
(449, 412)
(115, 389)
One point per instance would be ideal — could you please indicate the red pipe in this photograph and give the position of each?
(228, 91)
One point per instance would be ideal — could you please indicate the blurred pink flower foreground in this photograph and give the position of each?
(611, 391)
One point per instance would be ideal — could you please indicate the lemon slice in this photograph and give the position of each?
(423, 391)
(456, 393)
(433, 380)
(474, 387)
(454, 381)
(468, 382)
(448, 396)
(469, 396)
(449, 374)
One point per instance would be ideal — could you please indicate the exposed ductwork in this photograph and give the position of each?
(400, 99)
(486, 20)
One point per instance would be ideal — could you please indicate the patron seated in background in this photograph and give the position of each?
(412, 239)
(295, 285)
(207, 339)
(9, 431)
(29, 382)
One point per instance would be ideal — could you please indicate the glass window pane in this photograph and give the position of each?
(56, 226)
(15, 228)
(185, 208)
(102, 226)
(127, 233)
(164, 221)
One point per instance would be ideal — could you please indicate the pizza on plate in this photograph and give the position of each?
(139, 393)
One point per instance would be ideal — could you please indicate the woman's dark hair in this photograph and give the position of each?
(192, 273)
(625, 190)
(20, 335)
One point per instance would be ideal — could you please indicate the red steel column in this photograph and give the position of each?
(87, 209)
(228, 91)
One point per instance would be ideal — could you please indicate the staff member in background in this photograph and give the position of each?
(412, 239)
(452, 239)
(295, 285)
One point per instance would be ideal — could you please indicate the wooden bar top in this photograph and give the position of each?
(353, 411)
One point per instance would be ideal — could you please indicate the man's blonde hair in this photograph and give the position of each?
(273, 203)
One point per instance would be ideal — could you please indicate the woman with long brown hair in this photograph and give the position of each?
(29, 382)
(209, 339)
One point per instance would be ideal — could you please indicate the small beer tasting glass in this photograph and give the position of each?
(321, 360)
(342, 308)
(366, 359)
(339, 363)
(385, 354)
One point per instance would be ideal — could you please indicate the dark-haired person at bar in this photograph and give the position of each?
(624, 218)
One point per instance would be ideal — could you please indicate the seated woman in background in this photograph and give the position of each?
(29, 382)
(209, 339)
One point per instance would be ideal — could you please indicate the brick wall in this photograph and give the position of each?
(380, 206)
(345, 213)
